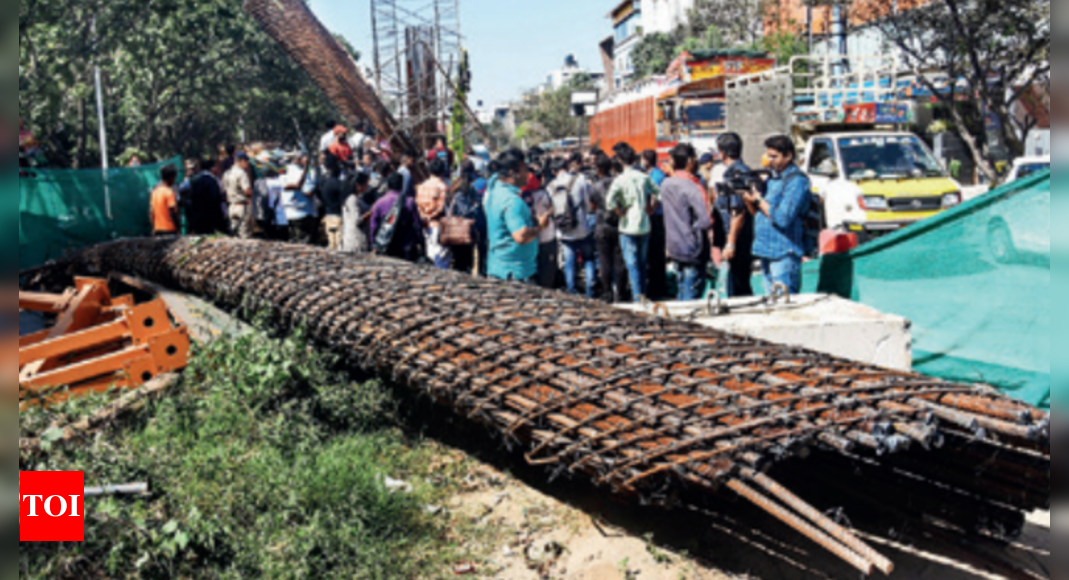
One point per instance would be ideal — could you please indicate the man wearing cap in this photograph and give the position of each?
(238, 189)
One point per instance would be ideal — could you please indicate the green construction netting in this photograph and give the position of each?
(975, 282)
(62, 210)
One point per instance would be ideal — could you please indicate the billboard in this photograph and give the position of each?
(701, 70)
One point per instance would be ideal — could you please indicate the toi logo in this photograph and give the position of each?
(51, 506)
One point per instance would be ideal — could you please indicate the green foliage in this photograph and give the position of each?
(355, 54)
(653, 54)
(264, 465)
(179, 78)
(955, 168)
(785, 46)
(659, 556)
(460, 117)
(548, 116)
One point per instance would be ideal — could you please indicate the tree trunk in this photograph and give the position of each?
(974, 147)
(83, 129)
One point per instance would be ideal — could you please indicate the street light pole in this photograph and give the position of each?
(103, 131)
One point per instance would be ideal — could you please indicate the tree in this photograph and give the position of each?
(460, 115)
(348, 46)
(548, 116)
(993, 51)
(714, 24)
(653, 54)
(737, 22)
(179, 77)
(784, 45)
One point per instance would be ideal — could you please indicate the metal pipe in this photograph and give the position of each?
(828, 543)
(838, 532)
(126, 489)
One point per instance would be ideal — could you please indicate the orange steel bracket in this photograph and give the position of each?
(98, 342)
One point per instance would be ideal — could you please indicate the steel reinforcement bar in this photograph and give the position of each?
(292, 24)
(646, 406)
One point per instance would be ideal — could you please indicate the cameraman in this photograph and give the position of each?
(779, 233)
(737, 220)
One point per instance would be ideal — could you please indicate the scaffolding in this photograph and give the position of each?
(417, 48)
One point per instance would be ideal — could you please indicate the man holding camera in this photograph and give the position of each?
(737, 220)
(779, 234)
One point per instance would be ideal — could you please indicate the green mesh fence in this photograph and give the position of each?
(62, 210)
(975, 282)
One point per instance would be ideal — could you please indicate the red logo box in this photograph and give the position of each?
(51, 506)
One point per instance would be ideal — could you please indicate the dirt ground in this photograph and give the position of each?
(531, 530)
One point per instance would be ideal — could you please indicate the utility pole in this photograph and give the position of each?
(100, 124)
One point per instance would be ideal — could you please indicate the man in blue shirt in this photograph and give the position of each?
(512, 230)
(779, 234)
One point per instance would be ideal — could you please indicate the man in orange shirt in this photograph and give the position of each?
(340, 148)
(163, 207)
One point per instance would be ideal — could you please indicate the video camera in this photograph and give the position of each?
(736, 182)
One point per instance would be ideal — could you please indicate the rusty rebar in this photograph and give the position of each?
(643, 405)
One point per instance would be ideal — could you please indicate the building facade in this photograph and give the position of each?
(627, 30)
(664, 16)
(633, 19)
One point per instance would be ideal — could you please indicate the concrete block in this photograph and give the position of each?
(826, 324)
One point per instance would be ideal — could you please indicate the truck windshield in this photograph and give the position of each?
(890, 157)
(704, 117)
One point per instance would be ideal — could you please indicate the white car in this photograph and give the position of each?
(1018, 227)
(1025, 166)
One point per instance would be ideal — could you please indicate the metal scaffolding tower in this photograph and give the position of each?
(411, 37)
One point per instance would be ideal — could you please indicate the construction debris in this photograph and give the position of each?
(110, 490)
(654, 409)
(83, 428)
(99, 341)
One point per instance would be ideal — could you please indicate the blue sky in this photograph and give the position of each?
(513, 45)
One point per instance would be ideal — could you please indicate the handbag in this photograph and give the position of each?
(456, 231)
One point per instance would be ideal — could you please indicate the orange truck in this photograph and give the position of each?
(686, 105)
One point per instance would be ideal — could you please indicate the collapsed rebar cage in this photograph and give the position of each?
(651, 408)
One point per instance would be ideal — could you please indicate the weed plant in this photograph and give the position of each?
(264, 463)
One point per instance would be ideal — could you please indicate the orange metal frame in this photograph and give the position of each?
(98, 342)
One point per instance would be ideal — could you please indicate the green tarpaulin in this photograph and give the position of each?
(62, 210)
(975, 282)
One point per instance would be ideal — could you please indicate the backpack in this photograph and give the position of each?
(565, 210)
(384, 237)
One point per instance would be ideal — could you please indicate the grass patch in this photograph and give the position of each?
(264, 464)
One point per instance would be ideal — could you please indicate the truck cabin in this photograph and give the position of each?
(873, 157)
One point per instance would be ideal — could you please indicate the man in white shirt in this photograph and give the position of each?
(298, 193)
(328, 138)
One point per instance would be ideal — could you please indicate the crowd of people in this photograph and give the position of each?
(610, 226)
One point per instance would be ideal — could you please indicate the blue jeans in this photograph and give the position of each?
(691, 281)
(786, 271)
(636, 257)
(572, 252)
